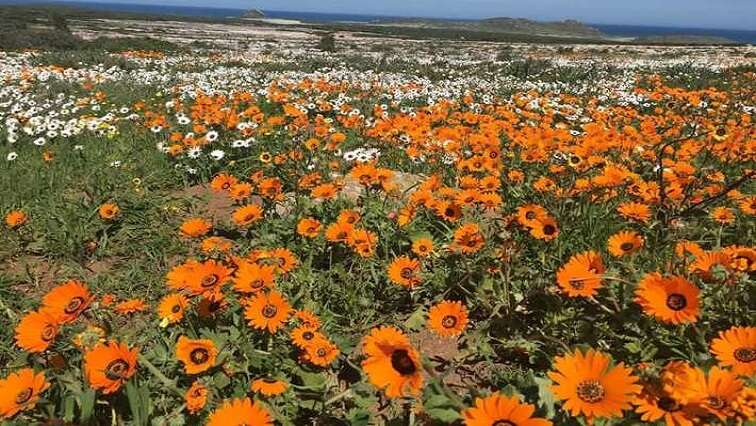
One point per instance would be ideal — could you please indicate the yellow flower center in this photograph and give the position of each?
(591, 391)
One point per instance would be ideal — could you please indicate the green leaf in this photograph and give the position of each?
(221, 380)
(87, 404)
(545, 397)
(312, 380)
(358, 417)
(139, 402)
(416, 321)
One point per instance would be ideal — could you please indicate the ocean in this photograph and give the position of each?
(612, 30)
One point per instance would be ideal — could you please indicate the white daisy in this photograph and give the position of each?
(194, 152)
(11, 156)
(217, 154)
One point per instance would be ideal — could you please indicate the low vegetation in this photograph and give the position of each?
(386, 233)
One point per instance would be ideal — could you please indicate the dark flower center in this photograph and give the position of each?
(226, 185)
(449, 211)
(627, 246)
(716, 402)
(176, 309)
(676, 302)
(721, 131)
(269, 311)
(24, 396)
(199, 355)
(74, 305)
(449, 321)
(577, 283)
(530, 215)
(503, 423)
(198, 392)
(308, 335)
(407, 273)
(668, 404)
(549, 229)
(209, 280)
(321, 352)
(48, 333)
(745, 354)
(270, 381)
(574, 159)
(116, 369)
(590, 391)
(402, 362)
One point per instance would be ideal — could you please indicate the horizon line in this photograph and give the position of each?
(380, 15)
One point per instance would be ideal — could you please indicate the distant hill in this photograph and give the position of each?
(253, 13)
(568, 28)
(683, 39)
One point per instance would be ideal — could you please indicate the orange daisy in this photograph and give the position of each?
(196, 397)
(109, 211)
(624, 242)
(269, 387)
(195, 227)
(108, 366)
(673, 300)
(20, 391)
(448, 318)
(500, 410)
(392, 363)
(581, 275)
(589, 386)
(405, 272)
(252, 277)
(736, 348)
(15, 218)
(240, 412)
(267, 311)
(171, 308)
(247, 215)
(36, 331)
(308, 227)
(198, 355)
(67, 301)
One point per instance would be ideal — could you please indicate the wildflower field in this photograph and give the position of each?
(457, 235)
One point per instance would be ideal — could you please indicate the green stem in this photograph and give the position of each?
(157, 373)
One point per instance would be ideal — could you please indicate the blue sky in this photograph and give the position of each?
(726, 14)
